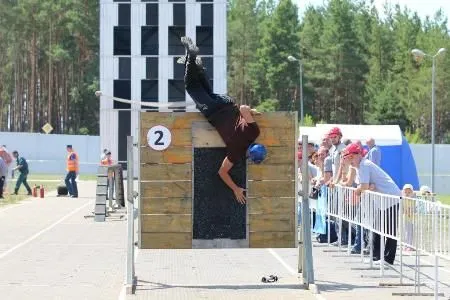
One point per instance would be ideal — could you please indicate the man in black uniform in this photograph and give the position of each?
(234, 124)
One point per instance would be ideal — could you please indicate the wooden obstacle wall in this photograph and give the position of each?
(166, 181)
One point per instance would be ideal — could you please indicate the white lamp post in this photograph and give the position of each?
(420, 54)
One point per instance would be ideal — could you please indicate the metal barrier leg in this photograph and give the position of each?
(130, 276)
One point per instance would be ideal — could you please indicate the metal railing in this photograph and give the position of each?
(391, 221)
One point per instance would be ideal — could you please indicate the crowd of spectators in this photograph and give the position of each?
(337, 161)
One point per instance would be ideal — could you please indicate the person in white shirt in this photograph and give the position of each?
(368, 173)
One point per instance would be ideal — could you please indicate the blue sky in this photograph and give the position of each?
(423, 7)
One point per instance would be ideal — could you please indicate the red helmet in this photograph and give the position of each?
(352, 148)
(335, 131)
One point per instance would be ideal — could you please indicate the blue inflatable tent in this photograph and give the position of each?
(396, 157)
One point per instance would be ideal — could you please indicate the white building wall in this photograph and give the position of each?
(109, 65)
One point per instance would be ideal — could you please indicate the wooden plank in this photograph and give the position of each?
(277, 137)
(271, 222)
(180, 137)
(171, 120)
(272, 239)
(166, 172)
(166, 205)
(175, 155)
(266, 205)
(166, 223)
(169, 189)
(183, 120)
(204, 135)
(271, 189)
(156, 240)
(276, 120)
(280, 155)
(265, 171)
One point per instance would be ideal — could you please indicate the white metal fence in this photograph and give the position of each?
(421, 225)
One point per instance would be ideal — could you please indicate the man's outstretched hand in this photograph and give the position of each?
(239, 194)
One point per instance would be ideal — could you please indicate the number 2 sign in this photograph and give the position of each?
(159, 137)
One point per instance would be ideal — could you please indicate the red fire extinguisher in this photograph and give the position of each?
(34, 192)
(41, 191)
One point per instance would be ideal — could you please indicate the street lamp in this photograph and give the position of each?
(420, 54)
(291, 58)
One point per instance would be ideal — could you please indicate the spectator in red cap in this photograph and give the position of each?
(335, 136)
(369, 173)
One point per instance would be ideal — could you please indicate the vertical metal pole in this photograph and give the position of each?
(130, 214)
(382, 237)
(433, 121)
(110, 189)
(301, 92)
(305, 193)
(308, 276)
(400, 234)
(436, 258)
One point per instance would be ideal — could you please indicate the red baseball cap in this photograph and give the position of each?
(352, 148)
(334, 131)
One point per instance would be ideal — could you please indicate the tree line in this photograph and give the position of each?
(49, 65)
(357, 64)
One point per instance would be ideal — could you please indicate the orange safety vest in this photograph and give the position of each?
(72, 164)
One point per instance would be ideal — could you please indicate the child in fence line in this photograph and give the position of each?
(409, 210)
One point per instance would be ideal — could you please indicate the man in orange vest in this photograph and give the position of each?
(72, 171)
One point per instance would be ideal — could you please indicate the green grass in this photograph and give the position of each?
(58, 177)
(49, 181)
(10, 198)
(445, 199)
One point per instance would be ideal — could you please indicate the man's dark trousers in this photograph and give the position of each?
(197, 86)
(2, 183)
(71, 184)
(390, 247)
(22, 179)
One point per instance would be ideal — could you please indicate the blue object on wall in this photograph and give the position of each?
(399, 163)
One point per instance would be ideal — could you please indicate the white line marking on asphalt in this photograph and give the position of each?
(13, 206)
(43, 230)
(291, 270)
